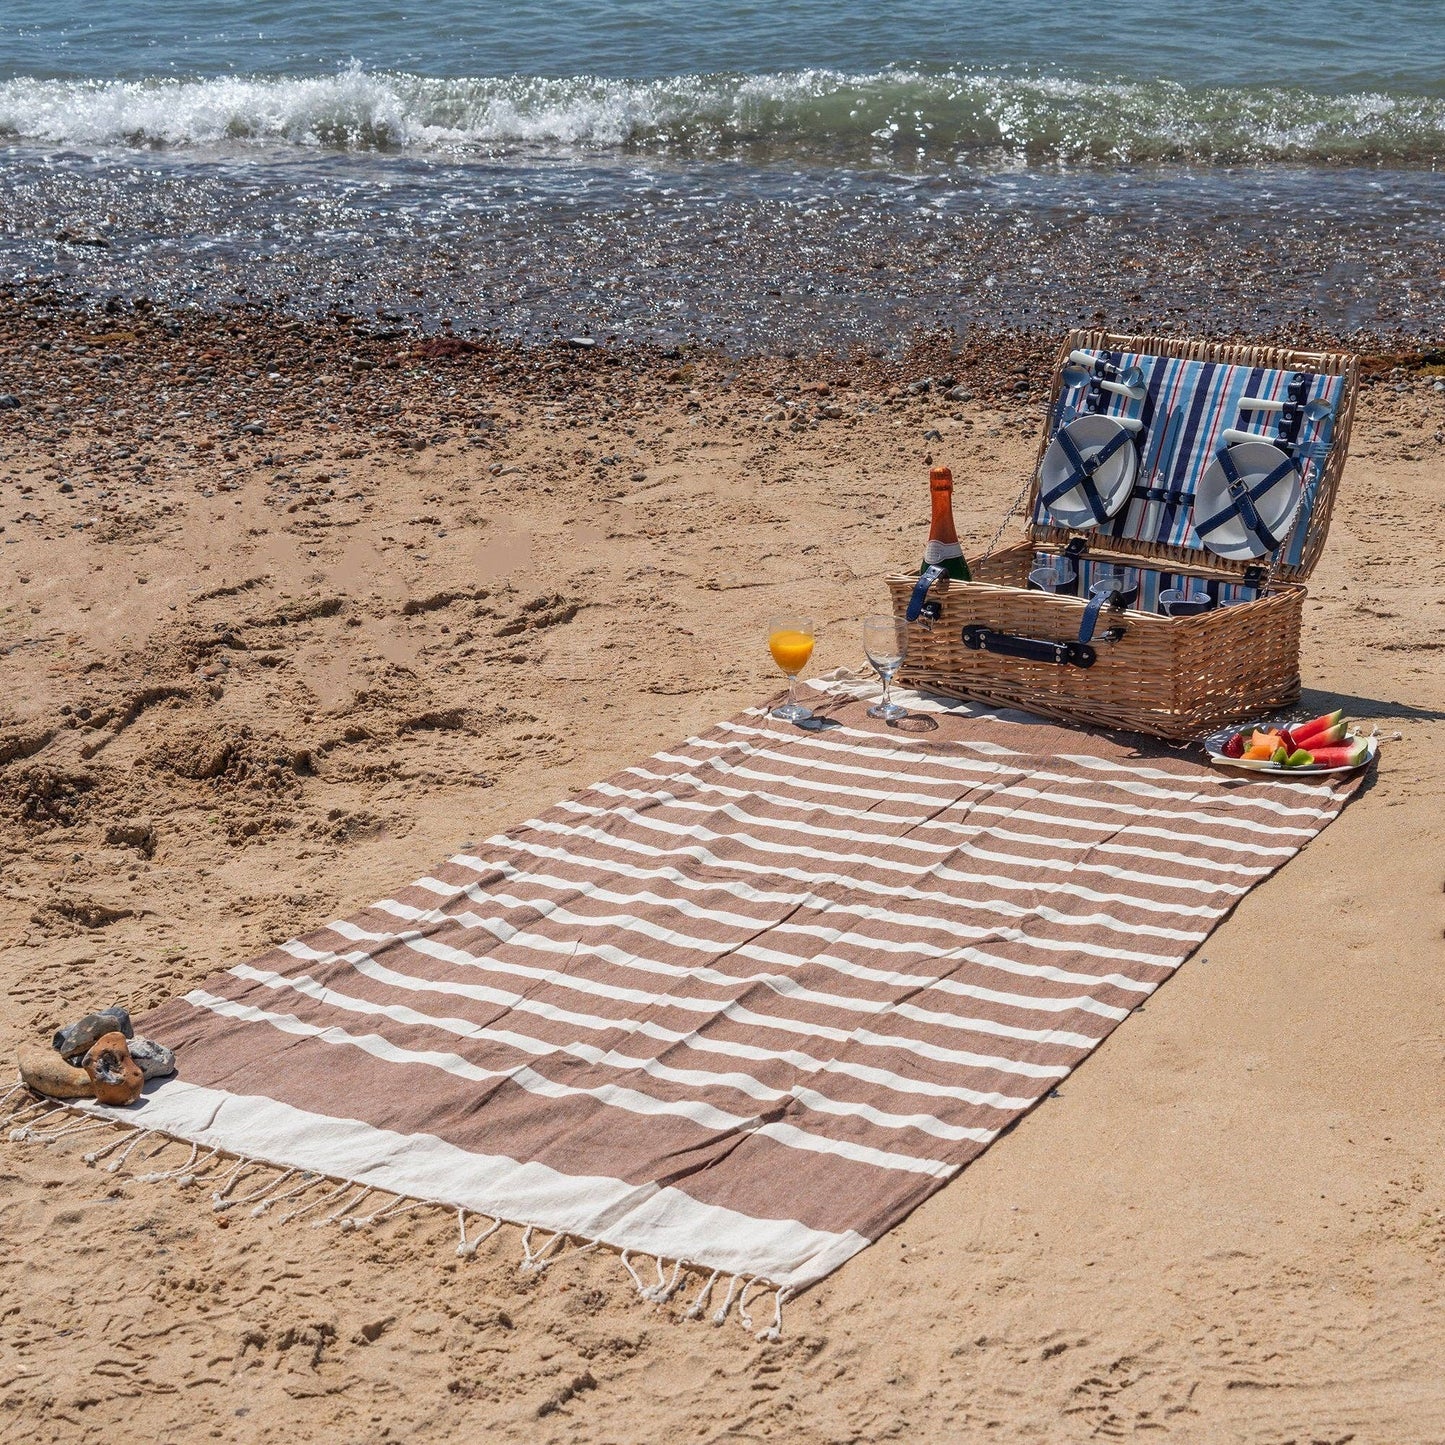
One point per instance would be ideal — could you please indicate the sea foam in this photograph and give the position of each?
(894, 114)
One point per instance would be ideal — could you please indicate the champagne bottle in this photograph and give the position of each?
(943, 549)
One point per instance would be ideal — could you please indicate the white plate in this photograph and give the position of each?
(1214, 745)
(1113, 480)
(1254, 461)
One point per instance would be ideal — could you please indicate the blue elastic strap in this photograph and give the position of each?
(1083, 474)
(1244, 498)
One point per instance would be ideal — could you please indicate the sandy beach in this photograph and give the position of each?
(289, 611)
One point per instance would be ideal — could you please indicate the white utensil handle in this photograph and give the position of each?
(1082, 358)
(1134, 393)
(1129, 423)
(1233, 436)
(1260, 403)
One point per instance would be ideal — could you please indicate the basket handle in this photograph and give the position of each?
(1077, 653)
(1032, 649)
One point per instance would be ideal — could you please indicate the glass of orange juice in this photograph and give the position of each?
(790, 640)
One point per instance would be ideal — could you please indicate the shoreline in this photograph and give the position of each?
(52, 339)
(747, 261)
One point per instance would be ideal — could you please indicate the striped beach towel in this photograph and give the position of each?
(746, 1004)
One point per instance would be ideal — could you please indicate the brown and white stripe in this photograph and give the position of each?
(747, 1003)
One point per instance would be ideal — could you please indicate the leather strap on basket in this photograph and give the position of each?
(1090, 620)
(1105, 368)
(926, 579)
(978, 638)
(1243, 499)
(1082, 476)
(1291, 415)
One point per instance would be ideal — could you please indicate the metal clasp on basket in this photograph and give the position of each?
(919, 609)
(1117, 602)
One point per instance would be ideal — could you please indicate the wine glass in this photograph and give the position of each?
(1108, 578)
(790, 640)
(1053, 575)
(885, 640)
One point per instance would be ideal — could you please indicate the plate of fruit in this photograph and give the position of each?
(1322, 745)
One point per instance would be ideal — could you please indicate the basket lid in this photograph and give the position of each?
(1192, 408)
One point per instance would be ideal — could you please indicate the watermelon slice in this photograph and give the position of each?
(1301, 732)
(1326, 738)
(1343, 755)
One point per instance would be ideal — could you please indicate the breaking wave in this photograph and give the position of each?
(894, 116)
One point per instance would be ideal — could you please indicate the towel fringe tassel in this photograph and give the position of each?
(315, 1203)
(695, 1310)
(57, 1121)
(156, 1175)
(218, 1195)
(65, 1127)
(665, 1288)
(541, 1260)
(636, 1278)
(467, 1247)
(344, 1208)
(129, 1146)
(307, 1180)
(743, 1316)
(96, 1155)
(274, 1182)
(774, 1331)
(720, 1315)
(28, 1131)
(402, 1204)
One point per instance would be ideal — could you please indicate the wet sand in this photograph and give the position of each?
(272, 643)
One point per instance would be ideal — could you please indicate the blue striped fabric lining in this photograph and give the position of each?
(1210, 395)
(1151, 583)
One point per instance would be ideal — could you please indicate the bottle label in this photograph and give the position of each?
(940, 551)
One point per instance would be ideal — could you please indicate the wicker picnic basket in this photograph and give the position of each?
(1124, 664)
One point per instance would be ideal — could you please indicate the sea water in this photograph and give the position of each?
(757, 175)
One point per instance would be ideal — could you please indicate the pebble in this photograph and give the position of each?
(133, 833)
(9, 402)
(75, 1039)
(958, 393)
(47, 1073)
(116, 1076)
(582, 343)
(154, 1060)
